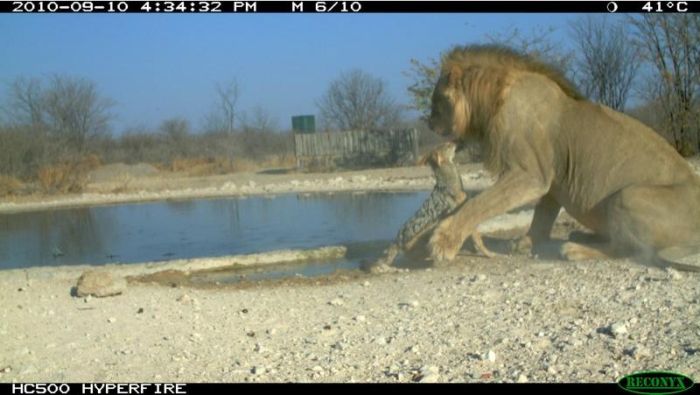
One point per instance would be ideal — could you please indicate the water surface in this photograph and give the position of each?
(168, 230)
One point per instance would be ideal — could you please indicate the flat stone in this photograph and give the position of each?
(100, 283)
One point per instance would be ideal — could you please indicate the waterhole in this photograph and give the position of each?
(168, 230)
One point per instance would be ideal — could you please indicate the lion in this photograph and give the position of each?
(547, 144)
(447, 194)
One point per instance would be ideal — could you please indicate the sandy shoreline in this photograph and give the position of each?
(512, 318)
(246, 184)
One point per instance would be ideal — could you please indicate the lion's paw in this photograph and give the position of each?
(444, 244)
(577, 252)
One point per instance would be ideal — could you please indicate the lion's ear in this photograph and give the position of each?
(455, 76)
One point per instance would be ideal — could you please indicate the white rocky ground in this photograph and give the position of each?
(504, 319)
(488, 320)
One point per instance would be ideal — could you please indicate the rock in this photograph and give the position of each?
(429, 374)
(618, 329)
(340, 346)
(522, 378)
(336, 302)
(490, 356)
(111, 320)
(673, 274)
(430, 378)
(638, 352)
(100, 283)
(478, 278)
(184, 298)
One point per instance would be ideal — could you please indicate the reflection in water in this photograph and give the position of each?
(61, 237)
(198, 228)
(180, 206)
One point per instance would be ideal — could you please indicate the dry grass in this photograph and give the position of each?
(10, 186)
(221, 165)
(201, 166)
(68, 176)
(279, 161)
(123, 183)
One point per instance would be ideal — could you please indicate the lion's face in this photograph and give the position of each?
(447, 116)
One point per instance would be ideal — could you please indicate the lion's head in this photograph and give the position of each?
(472, 85)
(448, 116)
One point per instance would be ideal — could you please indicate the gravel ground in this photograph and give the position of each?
(513, 319)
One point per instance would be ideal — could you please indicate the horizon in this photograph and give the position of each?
(159, 67)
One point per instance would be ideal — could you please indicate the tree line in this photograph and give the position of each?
(648, 66)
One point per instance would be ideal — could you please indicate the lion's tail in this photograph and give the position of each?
(669, 257)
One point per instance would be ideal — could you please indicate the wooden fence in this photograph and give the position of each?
(356, 148)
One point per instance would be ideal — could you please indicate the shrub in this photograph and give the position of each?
(69, 176)
(10, 186)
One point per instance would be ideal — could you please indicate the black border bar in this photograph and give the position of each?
(208, 388)
(195, 6)
(201, 388)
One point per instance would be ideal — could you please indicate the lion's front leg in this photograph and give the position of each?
(445, 242)
(512, 190)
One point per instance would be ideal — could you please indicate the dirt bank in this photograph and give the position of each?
(163, 186)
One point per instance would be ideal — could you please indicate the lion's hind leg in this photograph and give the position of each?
(654, 217)
(644, 220)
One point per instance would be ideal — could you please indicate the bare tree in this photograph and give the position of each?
(608, 61)
(24, 104)
(537, 43)
(228, 95)
(176, 132)
(175, 129)
(259, 120)
(358, 101)
(75, 110)
(670, 44)
(424, 76)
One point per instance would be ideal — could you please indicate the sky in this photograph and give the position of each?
(156, 67)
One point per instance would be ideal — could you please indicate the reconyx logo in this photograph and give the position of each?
(656, 383)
